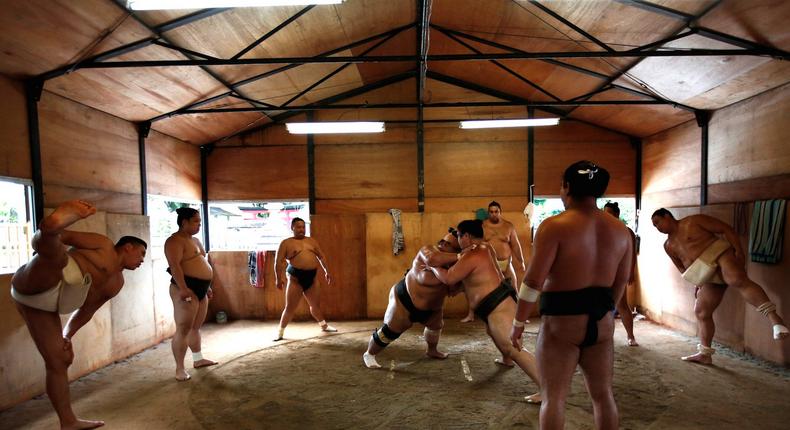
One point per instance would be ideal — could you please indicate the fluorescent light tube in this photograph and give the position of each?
(205, 4)
(501, 123)
(334, 127)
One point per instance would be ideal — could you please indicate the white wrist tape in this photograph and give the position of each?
(528, 294)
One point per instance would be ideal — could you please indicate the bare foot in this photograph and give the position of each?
(632, 342)
(279, 339)
(698, 358)
(469, 318)
(203, 363)
(370, 361)
(83, 424)
(436, 354)
(504, 362)
(182, 375)
(533, 398)
(65, 215)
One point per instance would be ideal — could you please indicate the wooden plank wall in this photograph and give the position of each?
(749, 160)
(557, 147)
(172, 167)
(342, 238)
(88, 154)
(14, 150)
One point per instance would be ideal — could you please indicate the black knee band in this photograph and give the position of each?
(384, 335)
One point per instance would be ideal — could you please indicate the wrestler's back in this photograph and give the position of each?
(98, 262)
(486, 276)
(590, 248)
(427, 292)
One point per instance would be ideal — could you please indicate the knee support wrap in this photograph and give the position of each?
(384, 335)
(766, 308)
(432, 336)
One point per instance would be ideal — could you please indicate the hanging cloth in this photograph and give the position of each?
(398, 244)
(767, 231)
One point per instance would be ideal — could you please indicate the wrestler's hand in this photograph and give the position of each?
(186, 295)
(328, 278)
(210, 293)
(515, 336)
(67, 344)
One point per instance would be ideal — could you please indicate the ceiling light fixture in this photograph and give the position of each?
(502, 123)
(334, 127)
(206, 4)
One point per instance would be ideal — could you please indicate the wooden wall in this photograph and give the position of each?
(749, 160)
(341, 237)
(14, 150)
(89, 155)
(172, 167)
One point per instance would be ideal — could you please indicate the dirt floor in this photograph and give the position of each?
(315, 380)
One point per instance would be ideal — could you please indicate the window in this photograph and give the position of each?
(162, 212)
(16, 223)
(546, 207)
(250, 226)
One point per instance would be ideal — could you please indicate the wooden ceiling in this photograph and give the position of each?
(60, 41)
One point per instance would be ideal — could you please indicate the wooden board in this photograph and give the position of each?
(260, 173)
(172, 167)
(394, 133)
(15, 150)
(476, 169)
(139, 94)
(558, 147)
(85, 150)
(41, 35)
(749, 140)
(366, 171)
(104, 200)
(342, 238)
(671, 159)
(205, 128)
(363, 206)
(749, 190)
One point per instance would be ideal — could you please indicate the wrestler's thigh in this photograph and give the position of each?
(500, 322)
(293, 292)
(709, 297)
(183, 312)
(39, 274)
(732, 270)
(436, 321)
(313, 295)
(556, 355)
(597, 360)
(398, 320)
(47, 333)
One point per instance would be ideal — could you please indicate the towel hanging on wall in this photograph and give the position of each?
(398, 243)
(767, 231)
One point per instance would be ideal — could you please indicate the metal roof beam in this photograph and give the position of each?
(272, 32)
(576, 28)
(500, 65)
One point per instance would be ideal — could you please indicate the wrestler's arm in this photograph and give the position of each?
(431, 256)
(675, 260)
(94, 300)
(319, 254)
(544, 252)
(716, 226)
(458, 272)
(279, 266)
(174, 253)
(214, 278)
(518, 254)
(623, 275)
(83, 240)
